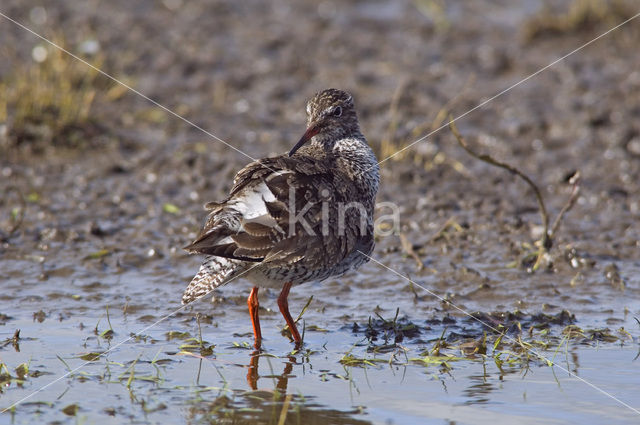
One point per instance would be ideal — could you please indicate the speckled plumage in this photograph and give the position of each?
(330, 177)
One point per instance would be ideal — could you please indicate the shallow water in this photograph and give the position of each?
(154, 377)
(182, 387)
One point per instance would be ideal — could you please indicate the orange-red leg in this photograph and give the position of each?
(253, 304)
(283, 304)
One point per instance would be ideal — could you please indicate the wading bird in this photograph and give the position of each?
(303, 216)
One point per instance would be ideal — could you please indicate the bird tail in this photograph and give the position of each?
(214, 272)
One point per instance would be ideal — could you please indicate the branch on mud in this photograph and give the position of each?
(407, 246)
(546, 242)
(451, 222)
(574, 180)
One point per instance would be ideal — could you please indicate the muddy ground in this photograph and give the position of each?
(101, 189)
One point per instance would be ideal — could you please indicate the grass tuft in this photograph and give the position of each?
(49, 102)
(580, 16)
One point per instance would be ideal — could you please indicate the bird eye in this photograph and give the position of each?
(337, 111)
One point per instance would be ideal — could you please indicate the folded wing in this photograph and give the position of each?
(279, 212)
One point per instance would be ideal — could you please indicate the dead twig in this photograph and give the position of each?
(407, 246)
(451, 222)
(575, 181)
(546, 242)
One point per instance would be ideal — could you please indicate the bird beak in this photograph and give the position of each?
(311, 131)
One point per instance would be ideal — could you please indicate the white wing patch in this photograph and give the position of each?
(251, 202)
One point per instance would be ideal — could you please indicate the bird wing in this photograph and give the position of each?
(282, 210)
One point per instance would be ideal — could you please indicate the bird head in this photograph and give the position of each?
(331, 116)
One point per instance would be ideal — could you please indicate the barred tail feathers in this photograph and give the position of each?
(214, 272)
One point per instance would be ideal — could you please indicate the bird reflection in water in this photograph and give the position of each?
(282, 380)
